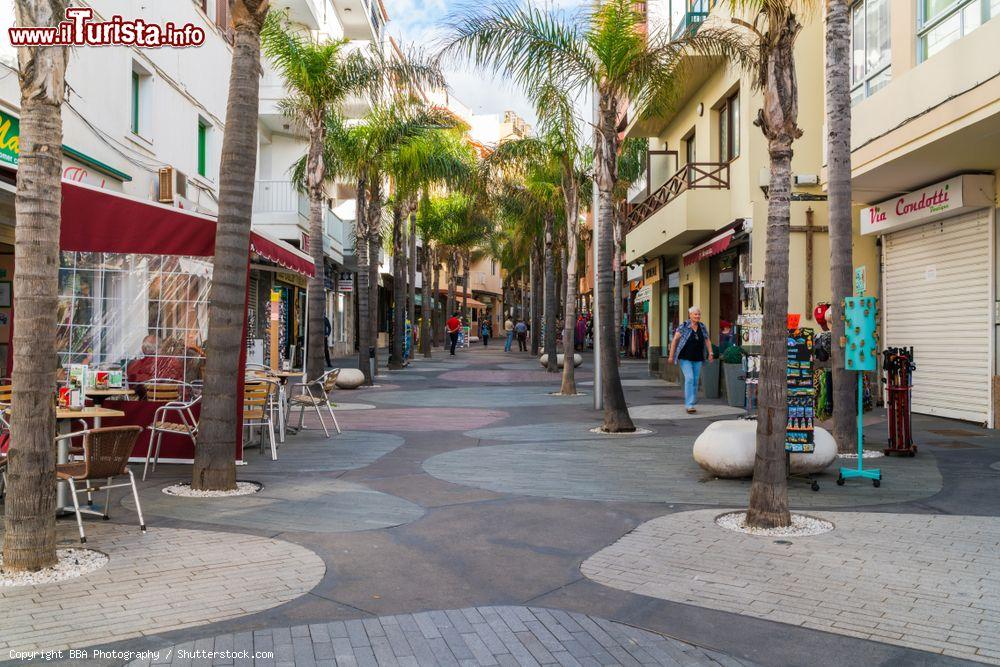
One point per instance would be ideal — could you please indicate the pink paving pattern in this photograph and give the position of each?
(509, 377)
(417, 419)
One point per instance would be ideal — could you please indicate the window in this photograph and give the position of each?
(203, 130)
(942, 22)
(139, 101)
(870, 48)
(729, 128)
(135, 103)
(689, 154)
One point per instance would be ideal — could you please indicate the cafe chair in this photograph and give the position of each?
(105, 456)
(166, 390)
(314, 395)
(175, 417)
(258, 399)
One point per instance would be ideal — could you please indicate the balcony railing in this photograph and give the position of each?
(694, 175)
(279, 197)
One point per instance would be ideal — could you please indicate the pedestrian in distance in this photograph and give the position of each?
(689, 349)
(327, 330)
(484, 332)
(454, 325)
(508, 328)
(521, 329)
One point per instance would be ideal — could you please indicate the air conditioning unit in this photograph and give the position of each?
(172, 183)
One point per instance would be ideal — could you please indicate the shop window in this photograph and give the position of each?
(144, 314)
(729, 128)
(871, 54)
(941, 22)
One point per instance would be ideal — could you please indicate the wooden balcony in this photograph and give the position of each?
(692, 176)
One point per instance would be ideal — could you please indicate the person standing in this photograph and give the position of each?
(689, 349)
(454, 325)
(508, 328)
(580, 333)
(484, 333)
(521, 329)
(327, 330)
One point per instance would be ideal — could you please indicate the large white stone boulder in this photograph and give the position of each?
(560, 360)
(727, 448)
(350, 378)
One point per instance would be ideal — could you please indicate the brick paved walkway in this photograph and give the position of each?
(474, 636)
(928, 582)
(164, 580)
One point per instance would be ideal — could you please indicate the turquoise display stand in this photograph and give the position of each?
(860, 315)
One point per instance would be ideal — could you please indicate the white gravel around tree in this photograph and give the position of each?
(802, 526)
(638, 431)
(72, 563)
(185, 491)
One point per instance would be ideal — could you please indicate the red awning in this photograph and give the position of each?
(99, 220)
(710, 248)
(282, 254)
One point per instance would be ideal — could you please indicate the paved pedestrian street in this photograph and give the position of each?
(467, 516)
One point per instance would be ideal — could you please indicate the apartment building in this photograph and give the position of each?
(925, 157)
(696, 223)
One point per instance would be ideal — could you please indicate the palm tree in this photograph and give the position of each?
(838, 138)
(30, 510)
(631, 167)
(609, 51)
(215, 455)
(319, 77)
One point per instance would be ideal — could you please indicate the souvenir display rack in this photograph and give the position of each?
(750, 324)
(799, 434)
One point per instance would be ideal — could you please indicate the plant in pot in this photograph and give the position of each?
(710, 375)
(732, 369)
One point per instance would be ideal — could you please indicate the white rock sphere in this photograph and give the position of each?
(727, 448)
(350, 378)
(560, 360)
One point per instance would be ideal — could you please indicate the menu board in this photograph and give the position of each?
(799, 434)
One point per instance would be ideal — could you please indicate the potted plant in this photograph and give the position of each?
(732, 368)
(710, 373)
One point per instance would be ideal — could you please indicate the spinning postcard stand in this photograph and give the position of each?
(860, 314)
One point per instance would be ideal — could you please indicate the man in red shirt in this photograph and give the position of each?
(454, 325)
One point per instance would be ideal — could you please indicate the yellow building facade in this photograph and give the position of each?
(697, 225)
(925, 158)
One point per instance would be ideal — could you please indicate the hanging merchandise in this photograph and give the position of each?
(898, 366)
(801, 392)
(861, 342)
(750, 323)
(822, 379)
(821, 346)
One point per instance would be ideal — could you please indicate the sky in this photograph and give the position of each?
(418, 23)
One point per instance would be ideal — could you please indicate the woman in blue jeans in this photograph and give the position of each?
(689, 349)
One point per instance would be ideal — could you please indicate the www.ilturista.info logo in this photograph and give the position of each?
(79, 30)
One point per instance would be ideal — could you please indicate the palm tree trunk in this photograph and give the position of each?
(30, 506)
(315, 174)
(427, 306)
(551, 296)
(436, 324)
(219, 424)
(616, 416)
(467, 288)
(399, 273)
(568, 387)
(450, 307)
(536, 299)
(838, 107)
(374, 268)
(362, 247)
(411, 265)
(769, 490)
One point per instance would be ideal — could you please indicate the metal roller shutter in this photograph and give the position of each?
(937, 299)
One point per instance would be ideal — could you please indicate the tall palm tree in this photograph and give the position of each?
(30, 509)
(610, 51)
(319, 77)
(215, 455)
(838, 152)
(631, 167)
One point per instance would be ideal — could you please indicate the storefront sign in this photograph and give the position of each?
(644, 294)
(941, 200)
(291, 279)
(651, 272)
(345, 282)
(10, 131)
(709, 249)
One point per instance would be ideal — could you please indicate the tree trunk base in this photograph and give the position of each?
(768, 519)
(214, 479)
(613, 423)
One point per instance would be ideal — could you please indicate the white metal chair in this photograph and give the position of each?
(174, 417)
(314, 395)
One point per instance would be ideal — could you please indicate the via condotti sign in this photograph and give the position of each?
(10, 137)
(941, 200)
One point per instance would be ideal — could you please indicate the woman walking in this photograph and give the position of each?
(689, 349)
(484, 332)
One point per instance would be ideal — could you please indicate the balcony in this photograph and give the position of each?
(696, 175)
(306, 13)
(692, 202)
(282, 211)
(276, 197)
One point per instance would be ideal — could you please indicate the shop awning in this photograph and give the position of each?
(99, 220)
(710, 248)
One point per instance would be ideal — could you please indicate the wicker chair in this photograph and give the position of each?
(175, 417)
(258, 401)
(314, 395)
(105, 456)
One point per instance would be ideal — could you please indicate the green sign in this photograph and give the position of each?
(860, 281)
(10, 131)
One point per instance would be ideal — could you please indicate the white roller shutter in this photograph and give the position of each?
(937, 299)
